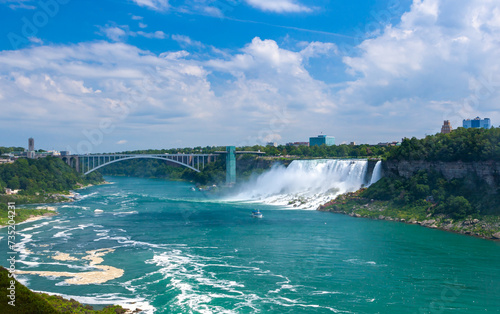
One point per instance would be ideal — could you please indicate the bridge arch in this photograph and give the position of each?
(143, 157)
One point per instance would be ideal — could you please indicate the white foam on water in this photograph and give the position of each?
(304, 184)
(81, 197)
(125, 213)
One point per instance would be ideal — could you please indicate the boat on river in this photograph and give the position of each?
(256, 214)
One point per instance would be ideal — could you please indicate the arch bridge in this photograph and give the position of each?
(89, 163)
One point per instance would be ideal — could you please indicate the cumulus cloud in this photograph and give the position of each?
(439, 61)
(79, 85)
(278, 6)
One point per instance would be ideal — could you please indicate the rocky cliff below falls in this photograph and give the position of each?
(488, 171)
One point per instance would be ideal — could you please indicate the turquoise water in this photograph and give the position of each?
(186, 252)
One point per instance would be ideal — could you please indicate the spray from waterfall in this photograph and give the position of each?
(305, 184)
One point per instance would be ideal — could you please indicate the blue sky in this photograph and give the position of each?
(98, 76)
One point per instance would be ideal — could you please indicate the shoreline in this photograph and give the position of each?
(484, 227)
(51, 210)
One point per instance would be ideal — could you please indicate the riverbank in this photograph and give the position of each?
(352, 204)
(27, 301)
(24, 215)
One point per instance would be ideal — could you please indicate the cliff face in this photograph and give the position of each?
(489, 171)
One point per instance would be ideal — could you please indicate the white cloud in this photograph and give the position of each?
(316, 49)
(120, 33)
(114, 33)
(19, 4)
(36, 40)
(278, 6)
(185, 41)
(142, 25)
(54, 87)
(157, 5)
(429, 65)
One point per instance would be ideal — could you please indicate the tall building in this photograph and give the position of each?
(446, 128)
(31, 148)
(322, 139)
(477, 123)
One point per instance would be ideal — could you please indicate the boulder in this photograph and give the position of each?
(496, 236)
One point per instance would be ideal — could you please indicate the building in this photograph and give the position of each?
(446, 128)
(297, 144)
(54, 153)
(322, 139)
(274, 144)
(477, 123)
(31, 148)
(65, 153)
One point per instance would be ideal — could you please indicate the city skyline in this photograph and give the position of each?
(116, 76)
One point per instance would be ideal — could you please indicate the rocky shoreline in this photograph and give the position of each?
(486, 227)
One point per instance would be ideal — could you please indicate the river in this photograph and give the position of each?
(163, 248)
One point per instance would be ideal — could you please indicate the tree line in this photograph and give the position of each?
(43, 175)
(460, 145)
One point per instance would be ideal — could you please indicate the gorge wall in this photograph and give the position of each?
(488, 171)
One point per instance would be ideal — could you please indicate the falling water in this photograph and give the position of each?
(377, 172)
(305, 184)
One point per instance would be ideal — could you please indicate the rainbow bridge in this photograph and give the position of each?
(87, 163)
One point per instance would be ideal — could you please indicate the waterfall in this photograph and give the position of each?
(377, 172)
(304, 184)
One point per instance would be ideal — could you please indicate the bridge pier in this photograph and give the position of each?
(230, 165)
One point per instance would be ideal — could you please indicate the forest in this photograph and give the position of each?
(43, 175)
(460, 145)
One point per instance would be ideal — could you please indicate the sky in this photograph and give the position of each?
(110, 75)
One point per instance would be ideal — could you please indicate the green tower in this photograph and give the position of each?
(230, 165)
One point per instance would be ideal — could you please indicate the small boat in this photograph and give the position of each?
(98, 211)
(193, 189)
(256, 214)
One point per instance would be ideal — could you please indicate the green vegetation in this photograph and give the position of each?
(460, 145)
(154, 168)
(28, 302)
(22, 214)
(457, 198)
(468, 205)
(336, 151)
(39, 181)
(44, 175)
